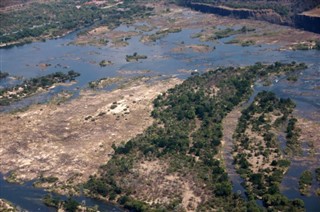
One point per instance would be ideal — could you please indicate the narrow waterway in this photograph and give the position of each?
(28, 198)
(229, 124)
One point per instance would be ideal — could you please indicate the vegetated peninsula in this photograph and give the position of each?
(175, 162)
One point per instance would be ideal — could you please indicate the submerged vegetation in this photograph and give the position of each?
(3, 75)
(183, 144)
(34, 85)
(135, 57)
(218, 33)
(159, 34)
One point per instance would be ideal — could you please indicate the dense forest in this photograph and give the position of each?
(49, 20)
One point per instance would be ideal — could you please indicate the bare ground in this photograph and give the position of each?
(310, 134)
(151, 182)
(70, 141)
(6, 206)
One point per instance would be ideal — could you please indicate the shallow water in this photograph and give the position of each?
(28, 198)
(24, 61)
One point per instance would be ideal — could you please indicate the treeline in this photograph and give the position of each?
(287, 9)
(55, 18)
(281, 9)
(31, 86)
(188, 150)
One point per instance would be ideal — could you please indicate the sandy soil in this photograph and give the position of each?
(6, 207)
(310, 134)
(153, 184)
(314, 12)
(71, 140)
(194, 48)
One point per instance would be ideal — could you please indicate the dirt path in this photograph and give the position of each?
(229, 124)
(70, 141)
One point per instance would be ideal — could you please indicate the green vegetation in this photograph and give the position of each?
(43, 180)
(242, 43)
(223, 33)
(305, 182)
(302, 46)
(317, 171)
(293, 133)
(278, 8)
(3, 75)
(216, 33)
(34, 85)
(69, 205)
(248, 43)
(51, 201)
(229, 31)
(187, 150)
(105, 63)
(160, 34)
(317, 46)
(49, 20)
(258, 154)
(285, 8)
(135, 57)
(308, 45)
(12, 178)
(103, 82)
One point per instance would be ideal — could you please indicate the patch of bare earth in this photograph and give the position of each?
(194, 48)
(71, 140)
(310, 134)
(314, 12)
(257, 144)
(151, 182)
(6, 206)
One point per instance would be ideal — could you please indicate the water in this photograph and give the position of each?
(28, 198)
(24, 61)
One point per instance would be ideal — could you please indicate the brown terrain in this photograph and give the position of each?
(6, 206)
(310, 134)
(314, 12)
(12, 5)
(152, 182)
(71, 140)
(173, 17)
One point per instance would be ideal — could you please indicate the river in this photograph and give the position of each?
(24, 61)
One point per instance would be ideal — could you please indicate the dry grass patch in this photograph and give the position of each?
(71, 140)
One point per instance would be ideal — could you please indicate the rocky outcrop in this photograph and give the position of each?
(303, 21)
(263, 14)
(309, 23)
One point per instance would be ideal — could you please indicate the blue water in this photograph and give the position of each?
(28, 198)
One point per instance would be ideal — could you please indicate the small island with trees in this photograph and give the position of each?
(34, 85)
(135, 57)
